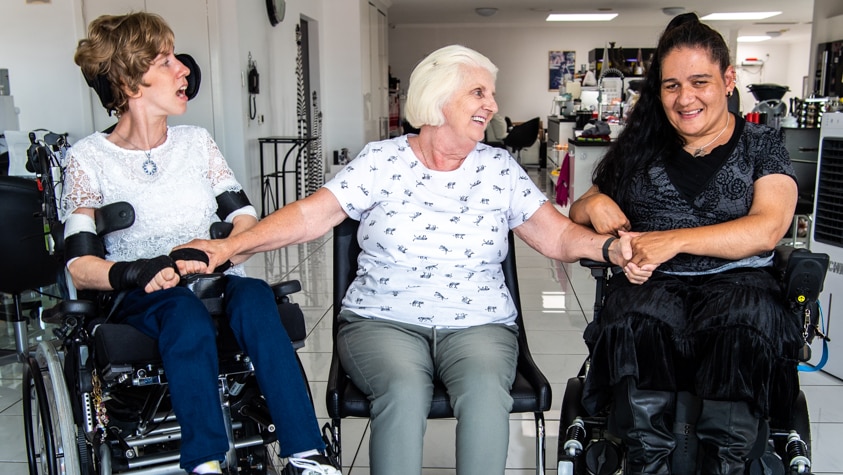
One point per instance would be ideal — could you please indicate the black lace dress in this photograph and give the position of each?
(707, 325)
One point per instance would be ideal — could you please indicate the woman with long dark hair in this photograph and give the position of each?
(711, 196)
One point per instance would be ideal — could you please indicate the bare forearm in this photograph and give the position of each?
(90, 273)
(557, 237)
(300, 221)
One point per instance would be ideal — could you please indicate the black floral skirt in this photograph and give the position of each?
(725, 336)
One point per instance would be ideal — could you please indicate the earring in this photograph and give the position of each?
(729, 94)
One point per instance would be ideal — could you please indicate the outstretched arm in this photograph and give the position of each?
(300, 221)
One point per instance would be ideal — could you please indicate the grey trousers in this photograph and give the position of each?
(395, 365)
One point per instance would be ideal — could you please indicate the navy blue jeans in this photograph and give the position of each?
(186, 340)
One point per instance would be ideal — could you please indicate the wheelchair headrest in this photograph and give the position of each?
(102, 86)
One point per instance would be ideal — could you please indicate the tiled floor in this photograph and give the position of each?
(556, 298)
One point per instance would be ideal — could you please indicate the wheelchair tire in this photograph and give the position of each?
(53, 448)
(571, 404)
(799, 421)
(571, 409)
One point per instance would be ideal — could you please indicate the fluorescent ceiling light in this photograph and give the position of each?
(753, 39)
(740, 16)
(581, 16)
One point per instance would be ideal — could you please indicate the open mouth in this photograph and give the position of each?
(479, 119)
(691, 113)
(182, 92)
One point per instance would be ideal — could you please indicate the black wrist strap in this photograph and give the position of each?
(189, 254)
(129, 275)
(606, 245)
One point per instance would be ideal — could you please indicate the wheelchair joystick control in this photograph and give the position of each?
(576, 438)
(797, 452)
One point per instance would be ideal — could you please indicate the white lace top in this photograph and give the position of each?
(173, 191)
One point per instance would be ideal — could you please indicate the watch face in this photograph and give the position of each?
(275, 10)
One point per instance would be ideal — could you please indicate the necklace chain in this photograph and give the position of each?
(424, 155)
(148, 166)
(700, 150)
(148, 151)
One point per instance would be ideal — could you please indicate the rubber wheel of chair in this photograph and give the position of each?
(571, 404)
(61, 412)
(800, 420)
(571, 409)
(50, 432)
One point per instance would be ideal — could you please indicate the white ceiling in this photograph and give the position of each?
(795, 18)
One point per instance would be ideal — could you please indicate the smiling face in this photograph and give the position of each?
(694, 93)
(164, 84)
(472, 105)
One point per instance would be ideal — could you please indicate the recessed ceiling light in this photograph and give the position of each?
(581, 16)
(752, 39)
(740, 16)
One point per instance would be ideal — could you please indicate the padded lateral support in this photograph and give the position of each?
(231, 201)
(114, 217)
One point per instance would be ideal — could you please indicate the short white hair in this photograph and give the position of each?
(436, 78)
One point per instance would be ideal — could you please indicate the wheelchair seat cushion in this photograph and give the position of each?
(120, 344)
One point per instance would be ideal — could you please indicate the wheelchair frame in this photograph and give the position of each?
(95, 400)
(586, 446)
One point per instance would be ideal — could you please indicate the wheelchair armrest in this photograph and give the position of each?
(291, 315)
(802, 273)
(67, 308)
(221, 229)
(114, 217)
(599, 269)
(283, 289)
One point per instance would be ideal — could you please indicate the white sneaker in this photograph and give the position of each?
(313, 465)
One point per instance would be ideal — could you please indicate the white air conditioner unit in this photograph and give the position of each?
(827, 237)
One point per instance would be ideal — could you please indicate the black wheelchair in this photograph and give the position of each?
(587, 446)
(95, 398)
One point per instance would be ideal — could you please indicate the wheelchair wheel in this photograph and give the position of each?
(48, 417)
(799, 422)
(274, 462)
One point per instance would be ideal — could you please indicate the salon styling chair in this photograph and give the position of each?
(530, 391)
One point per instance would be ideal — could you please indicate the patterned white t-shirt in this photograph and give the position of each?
(432, 241)
(173, 193)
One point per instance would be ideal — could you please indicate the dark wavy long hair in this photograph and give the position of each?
(648, 134)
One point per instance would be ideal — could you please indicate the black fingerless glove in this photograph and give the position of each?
(128, 275)
(189, 254)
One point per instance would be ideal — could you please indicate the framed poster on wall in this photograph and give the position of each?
(560, 63)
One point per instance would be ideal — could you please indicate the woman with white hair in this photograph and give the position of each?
(429, 301)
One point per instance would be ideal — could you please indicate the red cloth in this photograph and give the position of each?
(563, 182)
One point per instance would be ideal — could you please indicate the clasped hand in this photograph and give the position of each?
(636, 271)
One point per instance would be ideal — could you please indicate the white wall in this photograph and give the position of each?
(784, 64)
(521, 55)
(37, 43)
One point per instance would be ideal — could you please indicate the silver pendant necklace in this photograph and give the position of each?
(148, 166)
(701, 150)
